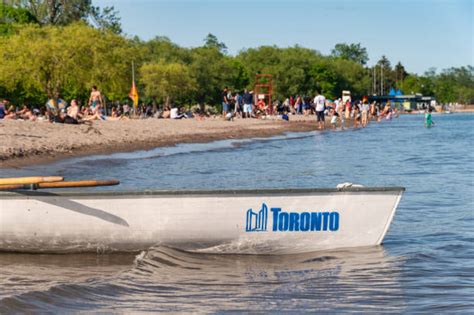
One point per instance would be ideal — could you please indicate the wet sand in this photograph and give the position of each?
(27, 142)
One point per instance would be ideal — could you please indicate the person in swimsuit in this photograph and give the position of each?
(428, 120)
(95, 100)
(73, 114)
(26, 114)
(10, 113)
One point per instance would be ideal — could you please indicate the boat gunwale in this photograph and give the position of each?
(193, 193)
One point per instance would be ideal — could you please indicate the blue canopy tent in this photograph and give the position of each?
(394, 100)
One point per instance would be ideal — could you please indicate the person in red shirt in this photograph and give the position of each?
(348, 109)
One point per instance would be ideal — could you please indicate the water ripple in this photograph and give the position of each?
(425, 265)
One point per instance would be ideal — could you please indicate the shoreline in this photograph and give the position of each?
(27, 143)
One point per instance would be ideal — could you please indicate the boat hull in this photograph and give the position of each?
(249, 222)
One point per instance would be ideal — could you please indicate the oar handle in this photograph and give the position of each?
(30, 180)
(75, 184)
(17, 186)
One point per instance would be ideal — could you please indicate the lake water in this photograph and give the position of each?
(426, 263)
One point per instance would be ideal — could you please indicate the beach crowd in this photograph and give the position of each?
(339, 112)
(240, 104)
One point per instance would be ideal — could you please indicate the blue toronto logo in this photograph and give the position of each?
(291, 221)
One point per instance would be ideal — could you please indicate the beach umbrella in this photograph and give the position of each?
(55, 105)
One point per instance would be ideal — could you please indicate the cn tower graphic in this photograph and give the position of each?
(257, 221)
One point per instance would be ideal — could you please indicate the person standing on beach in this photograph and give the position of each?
(225, 102)
(320, 104)
(298, 105)
(95, 99)
(238, 104)
(248, 100)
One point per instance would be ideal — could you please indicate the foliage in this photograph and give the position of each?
(212, 71)
(10, 16)
(162, 48)
(106, 18)
(353, 52)
(65, 61)
(455, 85)
(165, 81)
(211, 41)
(53, 50)
(62, 12)
(450, 86)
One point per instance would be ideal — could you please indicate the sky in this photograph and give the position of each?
(421, 34)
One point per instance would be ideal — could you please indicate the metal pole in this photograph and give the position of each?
(374, 84)
(381, 79)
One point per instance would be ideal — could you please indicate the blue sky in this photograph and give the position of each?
(419, 33)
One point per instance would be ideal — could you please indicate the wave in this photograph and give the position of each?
(167, 279)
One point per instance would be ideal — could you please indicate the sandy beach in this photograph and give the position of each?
(27, 142)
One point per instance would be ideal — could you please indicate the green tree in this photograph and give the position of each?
(353, 52)
(400, 72)
(455, 85)
(350, 76)
(167, 81)
(414, 84)
(65, 61)
(384, 69)
(64, 12)
(10, 16)
(211, 41)
(301, 71)
(212, 71)
(290, 67)
(162, 48)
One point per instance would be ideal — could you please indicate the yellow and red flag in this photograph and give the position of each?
(134, 95)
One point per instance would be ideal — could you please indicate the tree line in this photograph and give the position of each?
(56, 48)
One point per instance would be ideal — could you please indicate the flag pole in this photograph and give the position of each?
(133, 84)
(133, 71)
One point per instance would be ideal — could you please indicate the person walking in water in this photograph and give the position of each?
(320, 103)
(428, 121)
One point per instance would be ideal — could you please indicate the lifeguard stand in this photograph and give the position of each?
(264, 89)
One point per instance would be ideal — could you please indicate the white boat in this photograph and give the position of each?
(229, 221)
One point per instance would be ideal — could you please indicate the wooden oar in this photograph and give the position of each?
(30, 180)
(75, 184)
(81, 183)
(15, 187)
